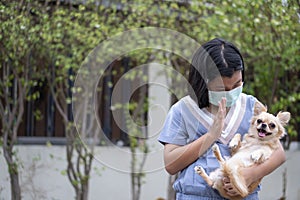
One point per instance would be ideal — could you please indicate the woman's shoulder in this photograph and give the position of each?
(249, 97)
(176, 108)
(182, 103)
(251, 100)
(185, 108)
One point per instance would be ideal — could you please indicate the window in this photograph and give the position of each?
(43, 123)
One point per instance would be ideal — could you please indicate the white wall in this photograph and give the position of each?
(41, 176)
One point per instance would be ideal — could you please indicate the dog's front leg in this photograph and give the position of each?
(258, 156)
(235, 143)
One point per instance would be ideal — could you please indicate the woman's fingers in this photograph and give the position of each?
(228, 187)
(222, 107)
(218, 124)
(232, 192)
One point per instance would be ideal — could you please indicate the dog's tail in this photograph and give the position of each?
(236, 179)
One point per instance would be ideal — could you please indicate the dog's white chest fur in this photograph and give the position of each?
(250, 154)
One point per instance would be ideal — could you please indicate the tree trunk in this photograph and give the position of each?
(85, 191)
(15, 186)
(13, 172)
(171, 192)
(82, 190)
(82, 193)
(78, 177)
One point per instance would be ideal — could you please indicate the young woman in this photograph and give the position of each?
(214, 111)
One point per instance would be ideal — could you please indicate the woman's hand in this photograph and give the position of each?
(246, 173)
(178, 157)
(217, 127)
(229, 188)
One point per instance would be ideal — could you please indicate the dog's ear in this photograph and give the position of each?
(284, 117)
(259, 108)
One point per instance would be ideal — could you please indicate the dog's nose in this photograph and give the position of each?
(263, 125)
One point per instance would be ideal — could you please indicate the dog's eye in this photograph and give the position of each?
(272, 125)
(259, 121)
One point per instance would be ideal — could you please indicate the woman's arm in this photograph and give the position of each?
(179, 157)
(257, 172)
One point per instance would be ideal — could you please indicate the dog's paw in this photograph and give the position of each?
(235, 142)
(199, 170)
(257, 157)
(215, 148)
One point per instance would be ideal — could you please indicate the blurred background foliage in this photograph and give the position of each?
(37, 35)
(63, 32)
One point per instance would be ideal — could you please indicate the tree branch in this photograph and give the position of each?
(59, 108)
(70, 168)
(20, 106)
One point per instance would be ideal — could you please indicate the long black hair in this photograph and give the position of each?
(214, 58)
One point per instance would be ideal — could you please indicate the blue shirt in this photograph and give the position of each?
(185, 123)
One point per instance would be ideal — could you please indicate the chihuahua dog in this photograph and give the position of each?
(257, 146)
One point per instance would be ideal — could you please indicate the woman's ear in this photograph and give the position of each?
(259, 108)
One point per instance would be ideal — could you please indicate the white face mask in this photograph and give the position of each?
(231, 96)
